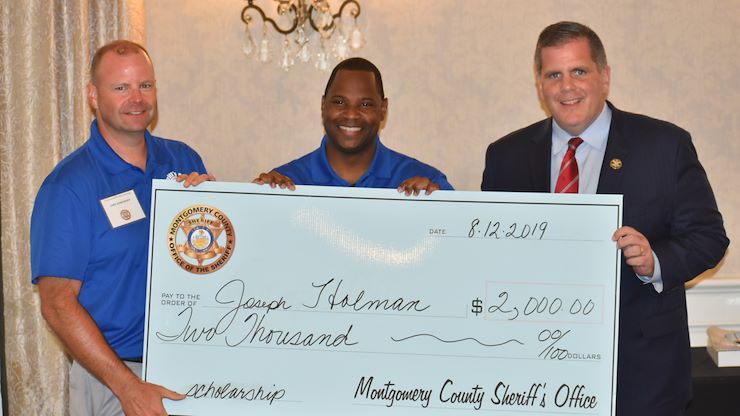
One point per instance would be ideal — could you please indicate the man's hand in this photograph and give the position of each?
(275, 179)
(417, 184)
(85, 342)
(636, 250)
(194, 178)
(140, 398)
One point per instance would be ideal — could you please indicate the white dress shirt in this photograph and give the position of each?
(590, 157)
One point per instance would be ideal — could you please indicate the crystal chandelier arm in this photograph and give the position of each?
(354, 13)
(246, 18)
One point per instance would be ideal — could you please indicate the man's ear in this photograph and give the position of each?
(384, 108)
(538, 84)
(606, 79)
(92, 96)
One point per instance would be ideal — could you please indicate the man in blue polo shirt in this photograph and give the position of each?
(351, 154)
(89, 232)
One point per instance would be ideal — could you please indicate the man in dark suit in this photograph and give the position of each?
(672, 229)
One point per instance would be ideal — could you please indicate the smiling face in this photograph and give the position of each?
(352, 111)
(571, 85)
(123, 94)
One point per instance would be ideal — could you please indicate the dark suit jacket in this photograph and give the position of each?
(667, 197)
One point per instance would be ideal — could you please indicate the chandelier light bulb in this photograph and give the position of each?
(284, 6)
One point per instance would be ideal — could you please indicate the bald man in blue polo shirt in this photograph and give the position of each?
(351, 154)
(89, 233)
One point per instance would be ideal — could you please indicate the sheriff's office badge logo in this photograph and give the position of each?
(201, 239)
(125, 214)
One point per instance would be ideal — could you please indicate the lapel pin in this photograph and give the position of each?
(615, 164)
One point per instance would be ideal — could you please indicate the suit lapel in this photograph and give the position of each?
(615, 157)
(539, 158)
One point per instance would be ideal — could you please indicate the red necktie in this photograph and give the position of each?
(568, 176)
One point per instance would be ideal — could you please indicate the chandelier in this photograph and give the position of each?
(300, 21)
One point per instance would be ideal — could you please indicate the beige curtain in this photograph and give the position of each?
(45, 50)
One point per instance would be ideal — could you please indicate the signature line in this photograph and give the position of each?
(457, 340)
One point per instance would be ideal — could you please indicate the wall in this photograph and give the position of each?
(458, 76)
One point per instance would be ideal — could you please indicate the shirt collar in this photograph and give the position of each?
(111, 161)
(379, 167)
(595, 135)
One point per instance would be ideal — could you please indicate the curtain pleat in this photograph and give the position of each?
(45, 51)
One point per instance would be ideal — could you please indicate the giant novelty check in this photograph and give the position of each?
(338, 301)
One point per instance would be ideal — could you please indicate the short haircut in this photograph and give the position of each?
(563, 32)
(121, 47)
(357, 64)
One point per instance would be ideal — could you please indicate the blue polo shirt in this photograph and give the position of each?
(387, 170)
(72, 237)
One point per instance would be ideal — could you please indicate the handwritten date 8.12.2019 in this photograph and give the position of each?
(498, 230)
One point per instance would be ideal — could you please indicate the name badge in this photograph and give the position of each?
(123, 208)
